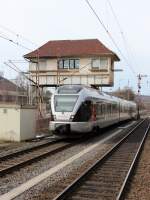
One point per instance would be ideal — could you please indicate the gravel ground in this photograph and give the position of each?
(48, 188)
(4, 146)
(10, 181)
(139, 188)
(59, 180)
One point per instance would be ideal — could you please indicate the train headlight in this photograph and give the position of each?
(53, 117)
(71, 117)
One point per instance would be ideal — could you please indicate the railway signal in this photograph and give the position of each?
(140, 76)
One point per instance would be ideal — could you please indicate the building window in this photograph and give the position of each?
(104, 63)
(61, 64)
(95, 63)
(68, 64)
(100, 63)
(71, 64)
(76, 63)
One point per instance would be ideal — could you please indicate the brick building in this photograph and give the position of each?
(11, 93)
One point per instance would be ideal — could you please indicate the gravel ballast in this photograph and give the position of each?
(10, 181)
(13, 180)
(139, 187)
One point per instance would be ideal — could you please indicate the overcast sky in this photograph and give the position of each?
(41, 21)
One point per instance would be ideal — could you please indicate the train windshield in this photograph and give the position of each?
(65, 103)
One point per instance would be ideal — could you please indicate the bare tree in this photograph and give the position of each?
(125, 93)
(21, 81)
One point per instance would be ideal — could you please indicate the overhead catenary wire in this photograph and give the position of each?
(19, 61)
(16, 69)
(12, 41)
(121, 33)
(39, 97)
(18, 44)
(17, 35)
(31, 80)
(109, 34)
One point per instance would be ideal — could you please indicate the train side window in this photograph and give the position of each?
(106, 109)
(103, 109)
(126, 109)
(97, 109)
(120, 108)
(113, 108)
(116, 108)
(109, 109)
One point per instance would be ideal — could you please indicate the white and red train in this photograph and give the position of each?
(78, 109)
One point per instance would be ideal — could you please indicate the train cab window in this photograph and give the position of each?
(65, 103)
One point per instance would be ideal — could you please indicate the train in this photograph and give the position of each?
(77, 110)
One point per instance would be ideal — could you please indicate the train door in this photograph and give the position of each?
(94, 112)
(84, 113)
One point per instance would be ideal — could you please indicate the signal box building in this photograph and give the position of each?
(86, 62)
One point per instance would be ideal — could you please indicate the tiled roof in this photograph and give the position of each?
(7, 85)
(70, 48)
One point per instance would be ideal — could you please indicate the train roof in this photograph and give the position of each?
(89, 92)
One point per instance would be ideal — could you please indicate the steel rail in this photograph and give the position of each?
(29, 160)
(9, 168)
(69, 189)
(132, 167)
(28, 149)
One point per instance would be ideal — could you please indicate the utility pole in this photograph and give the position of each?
(128, 97)
(140, 76)
(58, 73)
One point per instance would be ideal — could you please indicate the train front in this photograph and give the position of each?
(64, 104)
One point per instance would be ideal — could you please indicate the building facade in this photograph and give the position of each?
(86, 62)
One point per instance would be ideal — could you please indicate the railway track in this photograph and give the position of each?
(13, 161)
(107, 178)
(6, 154)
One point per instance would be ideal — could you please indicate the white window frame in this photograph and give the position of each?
(75, 65)
(99, 66)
